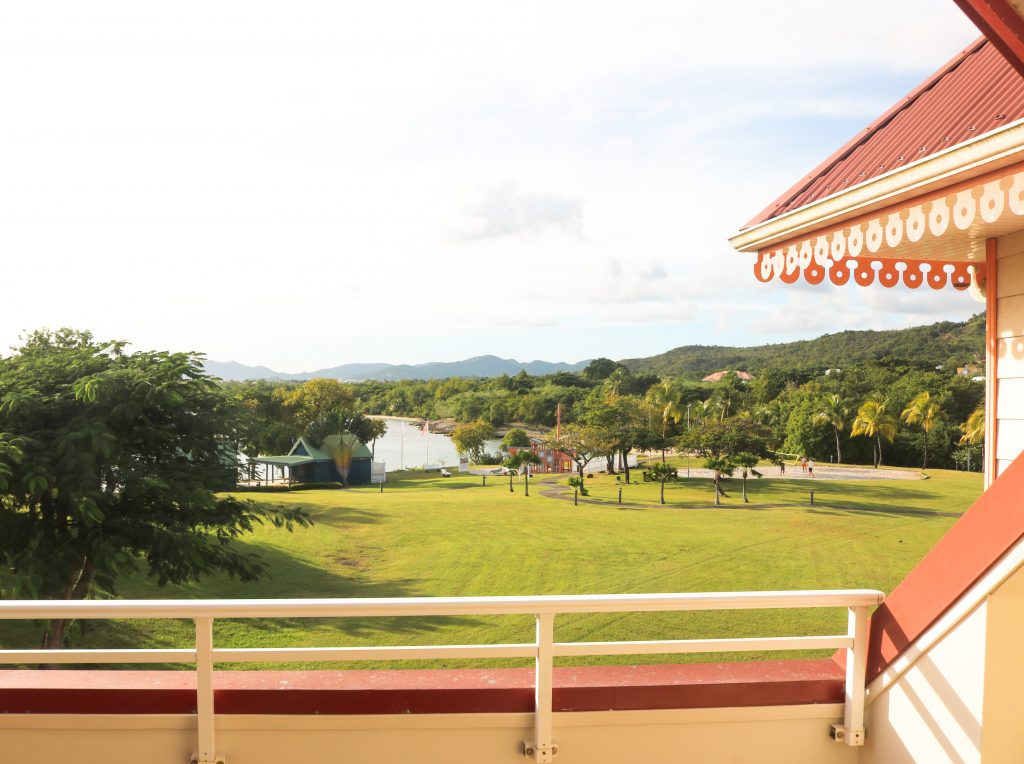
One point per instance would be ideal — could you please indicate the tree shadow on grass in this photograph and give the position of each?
(288, 577)
(857, 509)
(890, 499)
(335, 515)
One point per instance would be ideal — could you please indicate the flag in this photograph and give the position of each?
(426, 428)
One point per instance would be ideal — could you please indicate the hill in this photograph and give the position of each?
(936, 344)
(478, 366)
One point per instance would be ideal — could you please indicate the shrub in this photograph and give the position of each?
(577, 483)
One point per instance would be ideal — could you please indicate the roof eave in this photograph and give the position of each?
(986, 152)
(1002, 24)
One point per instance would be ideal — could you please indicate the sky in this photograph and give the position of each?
(305, 184)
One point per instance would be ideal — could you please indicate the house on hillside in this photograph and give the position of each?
(340, 458)
(718, 376)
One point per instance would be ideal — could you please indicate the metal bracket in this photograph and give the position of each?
(194, 759)
(542, 753)
(843, 734)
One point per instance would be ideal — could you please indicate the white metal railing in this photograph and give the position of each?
(543, 650)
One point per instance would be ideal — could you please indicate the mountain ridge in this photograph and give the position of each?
(936, 344)
(477, 366)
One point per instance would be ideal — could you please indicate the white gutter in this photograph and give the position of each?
(995, 149)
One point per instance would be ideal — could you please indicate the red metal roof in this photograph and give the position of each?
(975, 93)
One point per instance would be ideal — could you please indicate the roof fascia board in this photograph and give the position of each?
(990, 151)
(1001, 24)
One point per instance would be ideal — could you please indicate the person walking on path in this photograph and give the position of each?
(810, 467)
(803, 464)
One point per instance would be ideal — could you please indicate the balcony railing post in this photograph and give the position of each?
(206, 752)
(852, 730)
(542, 749)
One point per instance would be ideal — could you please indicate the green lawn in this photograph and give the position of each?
(430, 536)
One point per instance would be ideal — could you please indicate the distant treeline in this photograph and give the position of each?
(948, 344)
(788, 399)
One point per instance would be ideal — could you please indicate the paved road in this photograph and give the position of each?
(823, 472)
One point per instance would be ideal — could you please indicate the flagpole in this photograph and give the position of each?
(401, 459)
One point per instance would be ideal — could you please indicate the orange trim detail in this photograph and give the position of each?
(788, 267)
(991, 280)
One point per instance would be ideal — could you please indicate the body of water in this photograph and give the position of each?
(404, 446)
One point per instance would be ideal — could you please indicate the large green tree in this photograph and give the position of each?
(515, 438)
(342, 421)
(728, 438)
(624, 422)
(472, 437)
(110, 462)
(580, 443)
(316, 399)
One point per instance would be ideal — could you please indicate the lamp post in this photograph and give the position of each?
(688, 429)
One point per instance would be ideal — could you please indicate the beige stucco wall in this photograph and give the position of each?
(1010, 357)
(960, 699)
(1003, 716)
(778, 735)
(932, 713)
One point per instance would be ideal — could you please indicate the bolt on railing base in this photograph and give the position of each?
(194, 759)
(540, 753)
(842, 734)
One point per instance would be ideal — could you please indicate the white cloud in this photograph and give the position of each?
(506, 210)
(317, 183)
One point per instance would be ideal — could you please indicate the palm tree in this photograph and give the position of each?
(834, 411)
(925, 412)
(707, 409)
(725, 403)
(974, 428)
(662, 472)
(746, 461)
(721, 467)
(616, 381)
(664, 396)
(875, 419)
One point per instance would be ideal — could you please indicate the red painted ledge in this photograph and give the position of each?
(589, 688)
(987, 531)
